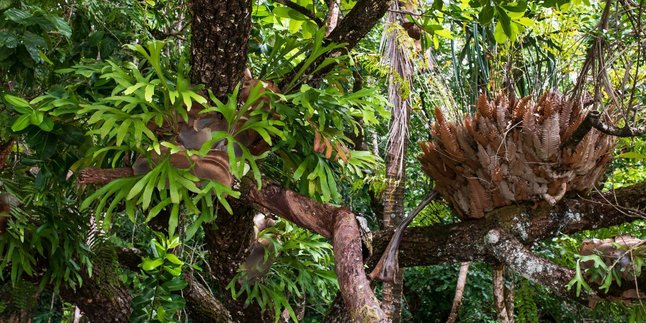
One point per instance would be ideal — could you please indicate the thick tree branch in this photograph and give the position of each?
(357, 23)
(340, 225)
(511, 252)
(461, 242)
(296, 208)
(304, 11)
(202, 305)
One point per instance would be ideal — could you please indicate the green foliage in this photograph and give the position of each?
(29, 36)
(159, 298)
(44, 228)
(524, 303)
(302, 266)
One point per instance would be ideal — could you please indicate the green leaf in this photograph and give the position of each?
(172, 258)
(486, 14)
(150, 90)
(9, 40)
(47, 125)
(499, 34)
(18, 16)
(21, 105)
(504, 21)
(632, 155)
(60, 25)
(175, 284)
(150, 264)
(21, 123)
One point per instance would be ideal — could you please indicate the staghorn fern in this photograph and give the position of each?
(513, 151)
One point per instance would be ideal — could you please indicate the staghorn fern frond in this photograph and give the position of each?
(513, 151)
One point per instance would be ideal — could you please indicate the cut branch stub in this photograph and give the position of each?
(510, 152)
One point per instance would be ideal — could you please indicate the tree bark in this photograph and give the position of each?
(105, 300)
(201, 304)
(228, 241)
(219, 42)
(336, 223)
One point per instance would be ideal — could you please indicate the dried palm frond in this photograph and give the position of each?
(513, 151)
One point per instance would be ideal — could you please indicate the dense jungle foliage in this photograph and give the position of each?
(88, 84)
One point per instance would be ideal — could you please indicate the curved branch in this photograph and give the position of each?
(340, 225)
(388, 265)
(613, 130)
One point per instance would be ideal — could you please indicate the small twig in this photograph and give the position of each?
(406, 12)
(388, 265)
(613, 130)
(307, 13)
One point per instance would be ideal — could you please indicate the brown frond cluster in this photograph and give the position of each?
(511, 152)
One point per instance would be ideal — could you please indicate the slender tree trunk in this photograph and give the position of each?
(393, 196)
(459, 291)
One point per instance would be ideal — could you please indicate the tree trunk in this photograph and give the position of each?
(393, 196)
(101, 300)
(228, 242)
(219, 42)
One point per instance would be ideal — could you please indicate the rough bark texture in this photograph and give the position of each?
(201, 304)
(338, 312)
(101, 300)
(359, 21)
(509, 251)
(228, 241)
(219, 41)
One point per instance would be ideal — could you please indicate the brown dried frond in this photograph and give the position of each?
(482, 163)
(448, 140)
(520, 108)
(502, 106)
(529, 119)
(480, 199)
(439, 116)
(485, 109)
(551, 138)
